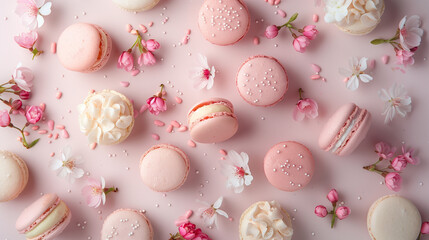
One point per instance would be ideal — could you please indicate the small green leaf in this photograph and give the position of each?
(33, 143)
(293, 18)
(378, 41)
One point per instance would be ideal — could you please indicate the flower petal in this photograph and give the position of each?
(218, 202)
(46, 9)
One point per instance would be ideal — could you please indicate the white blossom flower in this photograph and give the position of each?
(32, 12)
(336, 10)
(410, 33)
(237, 170)
(66, 165)
(396, 101)
(356, 73)
(210, 211)
(203, 76)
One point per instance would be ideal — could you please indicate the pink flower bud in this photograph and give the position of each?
(300, 43)
(16, 104)
(156, 105)
(310, 31)
(26, 40)
(4, 118)
(306, 107)
(399, 163)
(332, 196)
(187, 231)
(271, 31)
(393, 181)
(23, 78)
(321, 211)
(199, 235)
(404, 57)
(24, 95)
(148, 58)
(425, 228)
(151, 45)
(126, 61)
(342, 212)
(34, 114)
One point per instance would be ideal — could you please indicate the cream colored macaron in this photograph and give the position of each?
(265, 220)
(136, 5)
(13, 176)
(393, 218)
(106, 117)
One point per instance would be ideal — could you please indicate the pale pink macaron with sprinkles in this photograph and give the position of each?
(127, 224)
(212, 121)
(13, 176)
(164, 168)
(262, 81)
(223, 22)
(84, 47)
(289, 166)
(46, 218)
(345, 130)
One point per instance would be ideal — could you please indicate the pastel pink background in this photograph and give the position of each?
(331, 50)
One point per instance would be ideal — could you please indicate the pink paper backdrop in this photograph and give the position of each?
(259, 129)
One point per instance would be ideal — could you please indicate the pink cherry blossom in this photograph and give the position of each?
(300, 43)
(32, 12)
(384, 150)
(126, 61)
(156, 105)
(23, 77)
(399, 163)
(332, 196)
(16, 104)
(408, 155)
(310, 32)
(26, 40)
(321, 211)
(4, 118)
(93, 191)
(199, 235)
(187, 231)
(404, 57)
(148, 58)
(393, 181)
(151, 45)
(425, 228)
(24, 95)
(271, 31)
(410, 33)
(203, 75)
(342, 212)
(306, 107)
(34, 114)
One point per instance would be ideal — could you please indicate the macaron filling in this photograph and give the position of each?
(208, 110)
(50, 221)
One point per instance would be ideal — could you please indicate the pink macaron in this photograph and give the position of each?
(84, 47)
(164, 168)
(262, 81)
(127, 224)
(345, 130)
(289, 166)
(212, 121)
(13, 176)
(223, 22)
(45, 218)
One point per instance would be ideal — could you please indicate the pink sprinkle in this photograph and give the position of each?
(134, 32)
(42, 106)
(65, 134)
(159, 123)
(169, 129)
(56, 136)
(230, 219)
(42, 132)
(143, 28)
(191, 144)
(134, 72)
(59, 95)
(315, 77)
(256, 41)
(50, 135)
(26, 133)
(60, 127)
(281, 13)
(385, 59)
(179, 222)
(175, 124)
(277, 2)
(19, 139)
(178, 100)
(323, 79)
(185, 40)
(371, 64)
(54, 47)
(92, 91)
(92, 146)
(150, 24)
(124, 83)
(155, 136)
(223, 152)
(316, 68)
(271, 2)
(222, 158)
(129, 28)
(51, 124)
(136, 114)
(188, 213)
(183, 129)
(346, 79)
(188, 32)
(35, 127)
(315, 18)
(52, 154)
(143, 108)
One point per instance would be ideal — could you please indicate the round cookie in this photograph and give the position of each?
(223, 22)
(84, 47)
(262, 81)
(13, 176)
(164, 168)
(264, 215)
(393, 218)
(127, 224)
(136, 5)
(289, 166)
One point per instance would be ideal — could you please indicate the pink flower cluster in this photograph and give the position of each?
(156, 104)
(398, 163)
(188, 231)
(341, 212)
(301, 42)
(305, 108)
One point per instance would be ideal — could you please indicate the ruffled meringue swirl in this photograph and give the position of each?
(348, 12)
(265, 220)
(106, 117)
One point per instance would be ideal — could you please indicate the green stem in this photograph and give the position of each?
(5, 102)
(300, 91)
(334, 215)
(420, 235)
(112, 189)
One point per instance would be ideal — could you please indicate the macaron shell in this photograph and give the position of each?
(127, 224)
(262, 81)
(164, 168)
(57, 229)
(105, 48)
(289, 166)
(218, 127)
(136, 5)
(212, 101)
(393, 218)
(357, 135)
(223, 22)
(13, 176)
